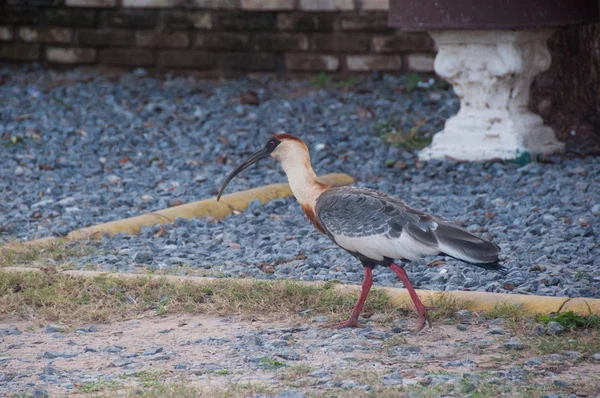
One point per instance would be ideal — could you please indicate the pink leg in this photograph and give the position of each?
(353, 320)
(420, 307)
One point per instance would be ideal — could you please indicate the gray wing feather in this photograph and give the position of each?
(360, 213)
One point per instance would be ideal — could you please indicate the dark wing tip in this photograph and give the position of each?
(495, 266)
(492, 266)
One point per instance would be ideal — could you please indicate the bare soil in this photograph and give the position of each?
(263, 352)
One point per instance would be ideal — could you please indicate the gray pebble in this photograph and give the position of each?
(561, 383)
(153, 351)
(40, 393)
(463, 315)
(513, 344)
(113, 348)
(10, 331)
(535, 361)
(553, 328)
(61, 354)
(55, 329)
(318, 373)
(119, 363)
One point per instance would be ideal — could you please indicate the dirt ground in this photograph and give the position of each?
(229, 356)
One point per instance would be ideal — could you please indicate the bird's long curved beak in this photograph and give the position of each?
(255, 157)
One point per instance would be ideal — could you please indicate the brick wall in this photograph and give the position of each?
(219, 36)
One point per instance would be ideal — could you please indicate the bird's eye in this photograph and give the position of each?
(271, 143)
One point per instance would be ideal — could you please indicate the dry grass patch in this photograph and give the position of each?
(71, 299)
(446, 306)
(55, 253)
(176, 389)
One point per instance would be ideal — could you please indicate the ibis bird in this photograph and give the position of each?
(374, 227)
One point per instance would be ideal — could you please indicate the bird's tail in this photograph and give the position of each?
(462, 245)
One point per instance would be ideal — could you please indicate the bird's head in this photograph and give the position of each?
(280, 146)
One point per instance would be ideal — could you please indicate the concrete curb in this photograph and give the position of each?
(474, 301)
(237, 201)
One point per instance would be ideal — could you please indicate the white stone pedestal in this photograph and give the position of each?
(491, 72)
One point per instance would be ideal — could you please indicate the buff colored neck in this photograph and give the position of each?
(302, 178)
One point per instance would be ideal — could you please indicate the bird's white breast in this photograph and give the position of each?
(376, 247)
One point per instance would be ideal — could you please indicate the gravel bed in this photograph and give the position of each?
(98, 147)
(287, 358)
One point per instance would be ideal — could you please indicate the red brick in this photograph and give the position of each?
(222, 41)
(263, 5)
(128, 18)
(212, 4)
(91, 3)
(186, 59)
(20, 51)
(43, 34)
(340, 42)
(306, 22)
(19, 15)
(152, 38)
(248, 21)
(373, 22)
(403, 42)
(420, 62)
(6, 33)
(151, 3)
(281, 42)
(70, 56)
(181, 19)
(365, 63)
(72, 18)
(248, 62)
(311, 62)
(126, 57)
(375, 5)
(106, 37)
(327, 5)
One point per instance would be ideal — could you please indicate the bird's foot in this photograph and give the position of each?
(350, 323)
(423, 317)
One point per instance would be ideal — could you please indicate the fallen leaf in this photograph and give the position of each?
(222, 158)
(162, 230)
(223, 139)
(234, 245)
(249, 98)
(45, 167)
(23, 117)
(268, 269)
(364, 113)
(400, 165)
(436, 263)
(491, 215)
(124, 160)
